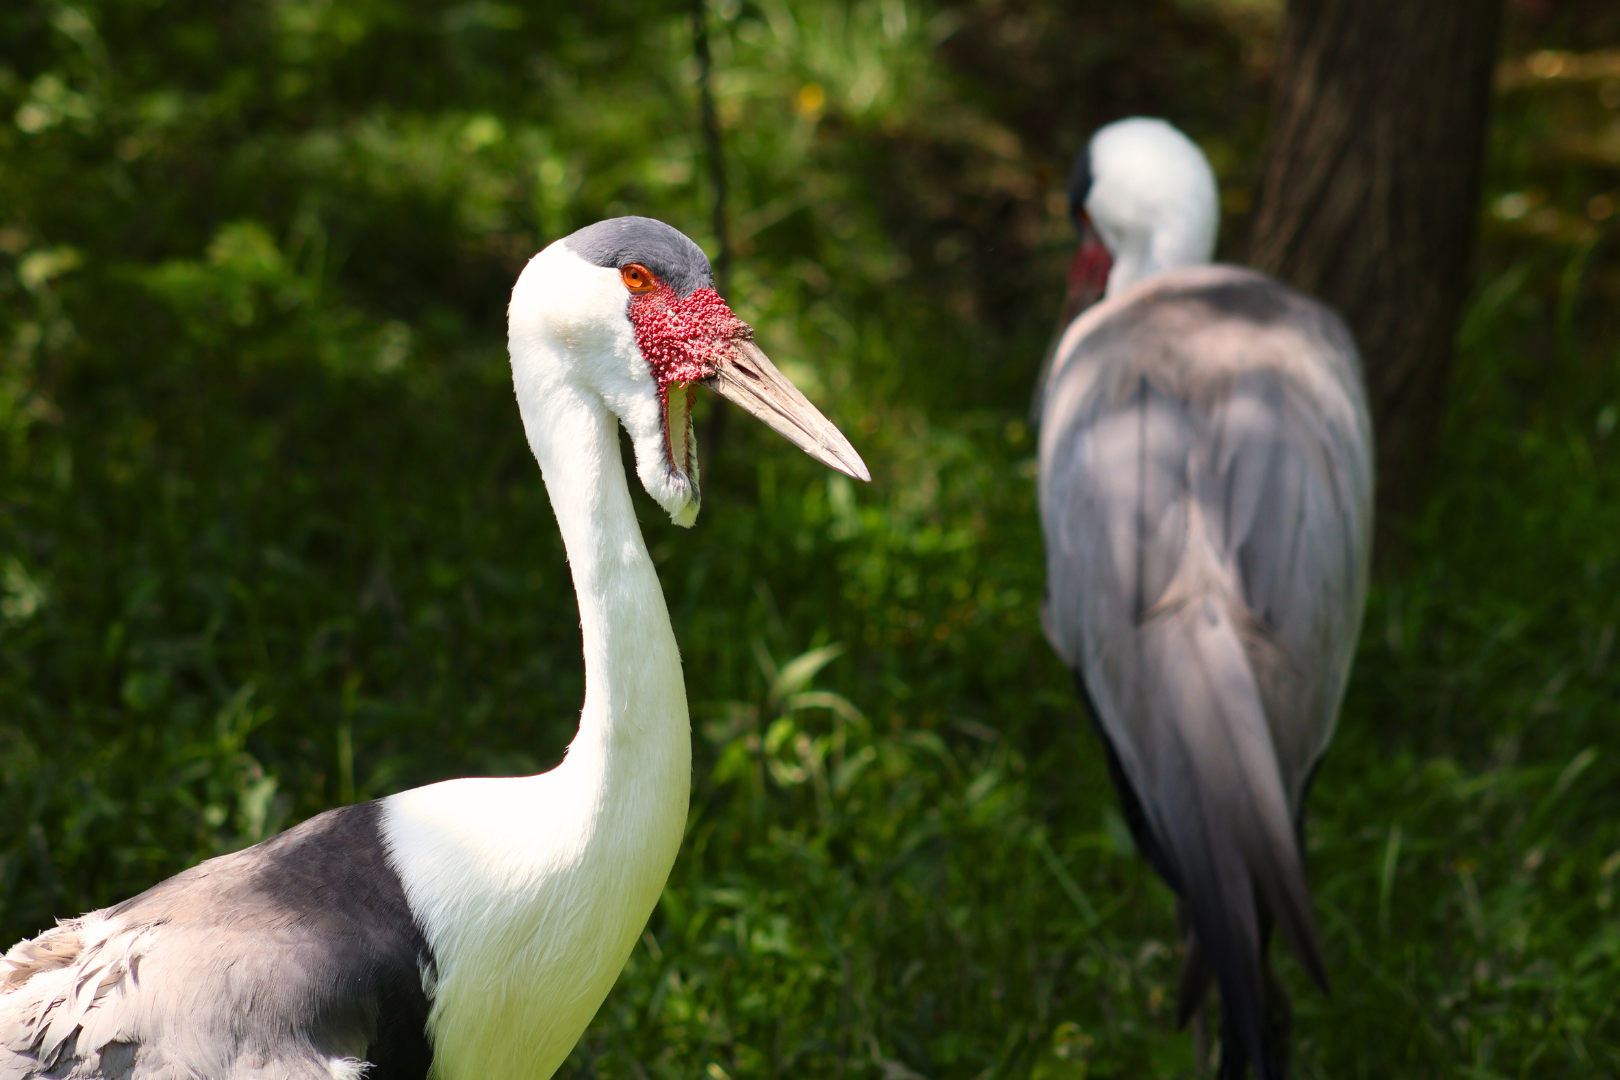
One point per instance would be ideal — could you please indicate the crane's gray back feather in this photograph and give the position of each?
(1206, 496)
(296, 959)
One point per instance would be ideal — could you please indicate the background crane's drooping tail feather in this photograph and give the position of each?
(1218, 829)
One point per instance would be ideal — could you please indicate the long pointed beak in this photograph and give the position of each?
(749, 379)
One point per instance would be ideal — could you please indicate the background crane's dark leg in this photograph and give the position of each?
(1279, 1006)
(1192, 995)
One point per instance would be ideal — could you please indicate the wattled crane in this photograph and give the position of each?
(1206, 497)
(470, 927)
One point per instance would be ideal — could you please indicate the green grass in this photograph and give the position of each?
(270, 539)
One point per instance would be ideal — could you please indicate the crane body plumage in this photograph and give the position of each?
(470, 928)
(1206, 498)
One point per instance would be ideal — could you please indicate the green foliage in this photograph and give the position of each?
(270, 539)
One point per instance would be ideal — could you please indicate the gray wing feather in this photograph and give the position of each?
(148, 1002)
(260, 965)
(1206, 495)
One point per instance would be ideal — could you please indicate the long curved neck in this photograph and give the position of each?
(533, 890)
(635, 713)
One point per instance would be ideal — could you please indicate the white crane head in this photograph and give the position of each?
(1143, 199)
(625, 312)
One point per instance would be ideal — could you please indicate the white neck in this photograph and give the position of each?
(532, 891)
(1142, 249)
(635, 698)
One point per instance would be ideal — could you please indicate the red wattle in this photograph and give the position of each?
(682, 337)
(1089, 271)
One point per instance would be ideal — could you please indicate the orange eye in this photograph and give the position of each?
(637, 278)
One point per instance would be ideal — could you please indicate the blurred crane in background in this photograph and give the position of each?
(1206, 493)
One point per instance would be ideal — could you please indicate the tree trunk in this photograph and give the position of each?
(1370, 195)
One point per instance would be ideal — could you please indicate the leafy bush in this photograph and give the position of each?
(270, 539)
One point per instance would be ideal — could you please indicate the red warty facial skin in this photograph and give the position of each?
(1091, 265)
(683, 339)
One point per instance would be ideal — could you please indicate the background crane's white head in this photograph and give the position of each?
(625, 312)
(1143, 198)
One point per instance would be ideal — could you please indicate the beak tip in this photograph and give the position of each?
(839, 454)
(752, 382)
